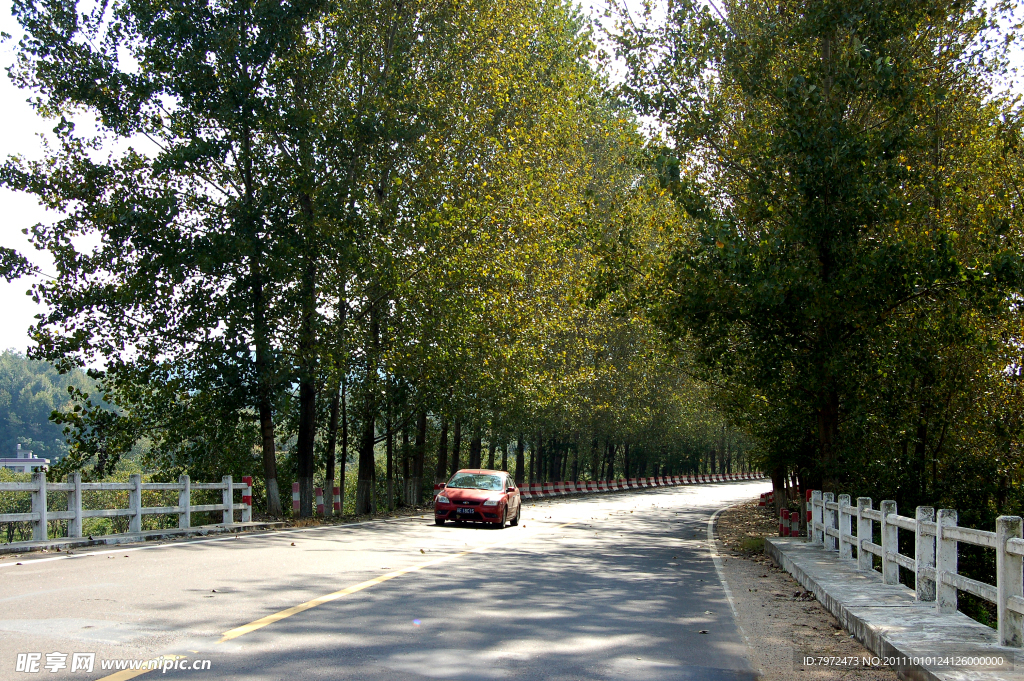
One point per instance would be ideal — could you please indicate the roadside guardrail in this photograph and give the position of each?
(40, 515)
(540, 490)
(937, 536)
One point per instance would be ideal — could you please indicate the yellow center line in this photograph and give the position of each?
(302, 607)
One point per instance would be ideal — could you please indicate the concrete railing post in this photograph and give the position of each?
(135, 504)
(40, 528)
(845, 522)
(1009, 581)
(945, 562)
(185, 502)
(924, 555)
(830, 521)
(808, 505)
(890, 544)
(75, 505)
(864, 534)
(229, 500)
(817, 536)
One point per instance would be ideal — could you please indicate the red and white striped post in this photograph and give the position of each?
(783, 523)
(295, 498)
(247, 499)
(319, 492)
(337, 501)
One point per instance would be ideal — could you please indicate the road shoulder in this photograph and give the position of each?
(776, 614)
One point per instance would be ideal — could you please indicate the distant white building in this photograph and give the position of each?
(24, 462)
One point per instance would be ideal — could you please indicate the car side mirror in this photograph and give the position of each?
(511, 489)
(443, 485)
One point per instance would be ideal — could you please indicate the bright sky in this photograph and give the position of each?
(19, 130)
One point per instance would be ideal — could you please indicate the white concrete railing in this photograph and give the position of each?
(934, 563)
(40, 515)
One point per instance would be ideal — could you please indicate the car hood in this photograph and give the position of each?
(478, 495)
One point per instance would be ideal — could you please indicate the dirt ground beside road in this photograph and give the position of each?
(777, 615)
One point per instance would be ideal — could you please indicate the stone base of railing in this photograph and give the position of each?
(67, 544)
(890, 622)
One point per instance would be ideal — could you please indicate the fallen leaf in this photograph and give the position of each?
(703, 631)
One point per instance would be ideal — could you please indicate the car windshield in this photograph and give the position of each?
(476, 481)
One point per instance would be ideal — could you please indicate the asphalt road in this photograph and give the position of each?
(614, 586)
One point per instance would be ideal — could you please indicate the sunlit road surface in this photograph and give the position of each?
(612, 586)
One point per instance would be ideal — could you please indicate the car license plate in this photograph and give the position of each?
(464, 510)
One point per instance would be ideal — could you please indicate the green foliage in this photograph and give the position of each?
(844, 262)
(30, 391)
(13, 264)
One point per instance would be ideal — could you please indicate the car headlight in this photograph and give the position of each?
(442, 499)
(492, 502)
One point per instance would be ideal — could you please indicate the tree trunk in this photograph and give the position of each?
(594, 466)
(491, 446)
(307, 358)
(419, 455)
(405, 464)
(269, 458)
(367, 465)
(533, 459)
(261, 335)
(344, 444)
(475, 448)
(442, 455)
(828, 426)
(779, 488)
(457, 445)
(366, 492)
(520, 461)
(332, 443)
(390, 480)
(304, 446)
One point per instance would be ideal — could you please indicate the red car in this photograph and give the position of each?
(480, 496)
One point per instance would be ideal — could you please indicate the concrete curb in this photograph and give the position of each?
(67, 544)
(888, 620)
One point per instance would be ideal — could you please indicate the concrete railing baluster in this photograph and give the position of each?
(1009, 581)
(135, 503)
(830, 522)
(185, 502)
(945, 562)
(845, 547)
(40, 527)
(924, 555)
(865, 533)
(75, 505)
(890, 544)
(229, 500)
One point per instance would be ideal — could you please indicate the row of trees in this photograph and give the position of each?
(334, 226)
(416, 232)
(845, 255)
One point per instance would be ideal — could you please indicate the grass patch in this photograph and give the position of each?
(753, 544)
